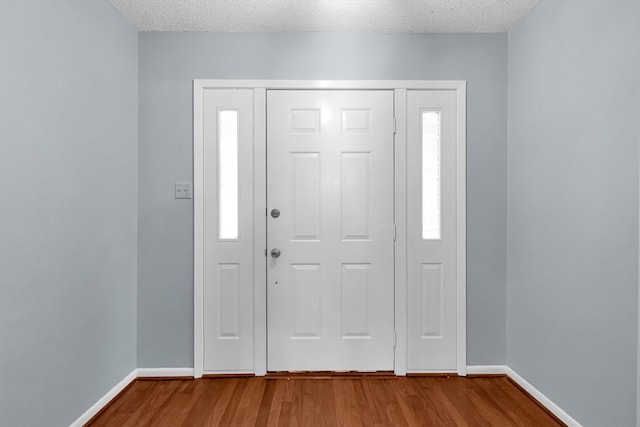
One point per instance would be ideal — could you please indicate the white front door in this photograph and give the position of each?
(330, 230)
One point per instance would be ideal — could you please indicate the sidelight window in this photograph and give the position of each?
(431, 191)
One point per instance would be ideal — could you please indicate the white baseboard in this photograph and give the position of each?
(537, 394)
(136, 373)
(104, 400)
(548, 403)
(164, 372)
(487, 370)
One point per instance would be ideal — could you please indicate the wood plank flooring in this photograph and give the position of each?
(338, 401)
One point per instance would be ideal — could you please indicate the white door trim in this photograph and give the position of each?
(260, 87)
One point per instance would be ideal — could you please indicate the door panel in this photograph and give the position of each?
(330, 175)
(228, 231)
(431, 231)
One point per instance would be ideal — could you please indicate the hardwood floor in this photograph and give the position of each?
(338, 401)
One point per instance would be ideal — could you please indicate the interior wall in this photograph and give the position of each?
(572, 264)
(638, 347)
(68, 227)
(168, 64)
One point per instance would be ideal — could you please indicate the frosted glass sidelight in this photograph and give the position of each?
(228, 174)
(431, 229)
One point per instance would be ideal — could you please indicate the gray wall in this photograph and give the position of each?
(68, 174)
(169, 62)
(572, 268)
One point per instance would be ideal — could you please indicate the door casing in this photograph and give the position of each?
(260, 87)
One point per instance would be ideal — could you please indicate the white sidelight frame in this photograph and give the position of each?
(260, 87)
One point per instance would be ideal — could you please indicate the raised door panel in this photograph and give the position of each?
(306, 196)
(356, 195)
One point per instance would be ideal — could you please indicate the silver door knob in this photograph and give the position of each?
(275, 253)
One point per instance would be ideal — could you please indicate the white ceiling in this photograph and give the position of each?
(417, 16)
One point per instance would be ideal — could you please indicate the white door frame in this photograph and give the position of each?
(260, 87)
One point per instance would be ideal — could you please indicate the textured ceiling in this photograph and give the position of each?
(420, 16)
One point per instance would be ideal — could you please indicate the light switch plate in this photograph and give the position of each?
(183, 190)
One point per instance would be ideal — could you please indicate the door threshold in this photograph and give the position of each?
(329, 375)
